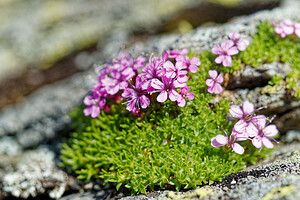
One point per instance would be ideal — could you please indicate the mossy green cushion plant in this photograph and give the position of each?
(164, 144)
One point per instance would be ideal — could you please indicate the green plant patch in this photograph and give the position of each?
(169, 146)
(267, 47)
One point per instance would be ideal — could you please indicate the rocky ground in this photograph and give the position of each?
(32, 129)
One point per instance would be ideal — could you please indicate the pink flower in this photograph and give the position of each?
(192, 63)
(224, 52)
(176, 71)
(262, 133)
(214, 82)
(174, 53)
(167, 87)
(230, 142)
(247, 121)
(153, 69)
(284, 28)
(95, 104)
(185, 94)
(139, 62)
(297, 29)
(238, 41)
(137, 96)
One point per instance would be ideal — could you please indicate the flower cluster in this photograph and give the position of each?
(287, 27)
(249, 126)
(232, 46)
(135, 81)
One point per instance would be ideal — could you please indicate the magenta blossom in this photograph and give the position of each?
(95, 104)
(284, 28)
(238, 41)
(153, 69)
(214, 83)
(246, 117)
(137, 96)
(184, 94)
(230, 142)
(262, 133)
(176, 71)
(224, 52)
(167, 87)
(174, 53)
(192, 63)
(297, 29)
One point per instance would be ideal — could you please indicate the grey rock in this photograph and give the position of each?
(86, 196)
(36, 173)
(44, 114)
(292, 135)
(9, 146)
(250, 77)
(53, 29)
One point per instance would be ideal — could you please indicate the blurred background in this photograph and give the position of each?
(45, 41)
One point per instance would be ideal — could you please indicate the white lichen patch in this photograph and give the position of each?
(36, 173)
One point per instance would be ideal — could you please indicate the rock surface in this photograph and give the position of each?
(36, 173)
(44, 115)
(53, 29)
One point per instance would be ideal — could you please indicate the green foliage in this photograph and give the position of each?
(170, 146)
(267, 47)
(166, 146)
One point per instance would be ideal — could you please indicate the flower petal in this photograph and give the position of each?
(162, 97)
(88, 100)
(157, 84)
(102, 102)
(219, 140)
(248, 108)
(217, 50)
(193, 68)
(257, 142)
(227, 45)
(213, 74)
(220, 59)
(190, 96)
(181, 102)
(240, 126)
(217, 88)
(131, 104)
(195, 61)
(184, 90)
(232, 51)
(128, 93)
(242, 45)
(144, 101)
(236, 111)
(267, 143)
(169, 66)
(209, 82)
(259, 121)
(95, 111)
(210, 89)
(227, 62)
(88, 111)
(251, 130)
(270, 130)
(237, 148)
(234, 36)
(173, 95)
(220, 78)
